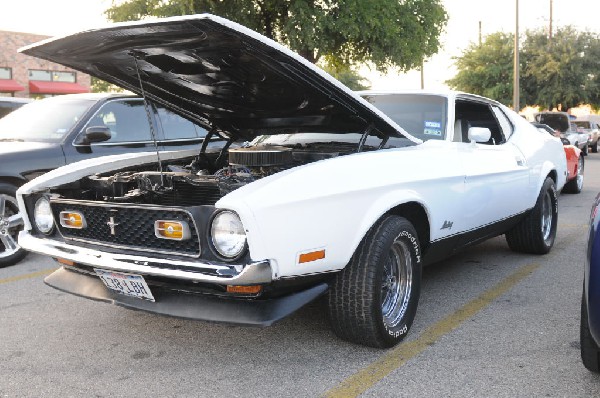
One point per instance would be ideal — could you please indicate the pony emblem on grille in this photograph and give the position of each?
(112, 224)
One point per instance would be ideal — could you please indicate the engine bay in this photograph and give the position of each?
(201, 180)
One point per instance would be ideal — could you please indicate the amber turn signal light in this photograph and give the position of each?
(253, 289)
(64, 261)
(176, 230)
(72, 219)
(311, 256)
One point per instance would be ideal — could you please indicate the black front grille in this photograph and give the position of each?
(133, 226)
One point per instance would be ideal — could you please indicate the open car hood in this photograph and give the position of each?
(220, 74)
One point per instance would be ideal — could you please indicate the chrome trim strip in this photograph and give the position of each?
(90, 203)
(237, 274)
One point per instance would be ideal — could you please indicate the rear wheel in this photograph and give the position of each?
(590, 353)
(584, 150)
(576, 184)
(595, 147)
(536, 232)
(11, 223)
(373, 301)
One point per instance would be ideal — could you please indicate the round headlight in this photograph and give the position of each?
(227, 234)
(43, 215)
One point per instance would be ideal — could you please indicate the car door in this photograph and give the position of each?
(496, 173)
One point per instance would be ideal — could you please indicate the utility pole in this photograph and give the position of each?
(422, 76)
(479, 33)
(516, 88)
(550, 27)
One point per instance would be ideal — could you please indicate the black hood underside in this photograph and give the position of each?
(217, 73)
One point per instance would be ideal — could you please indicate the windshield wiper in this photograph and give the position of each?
(12, 139)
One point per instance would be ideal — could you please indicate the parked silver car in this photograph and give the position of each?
(592, 128)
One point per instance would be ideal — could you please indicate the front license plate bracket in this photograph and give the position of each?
(131, 285)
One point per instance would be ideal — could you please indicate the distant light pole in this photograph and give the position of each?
(516, 106)
(550, 27)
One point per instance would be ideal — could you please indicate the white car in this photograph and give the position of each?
(328, 196)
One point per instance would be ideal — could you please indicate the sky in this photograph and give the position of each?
(61, 17)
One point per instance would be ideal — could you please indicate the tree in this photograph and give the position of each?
(388, 33)
(558, 73)
(348, 77)
(487, 69)
(100, 86)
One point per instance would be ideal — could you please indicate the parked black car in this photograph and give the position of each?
(9, 104)
(52, 132)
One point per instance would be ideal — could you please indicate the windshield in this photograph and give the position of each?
(558, 121)
(44, 120)
(583, 124)
(422, 116)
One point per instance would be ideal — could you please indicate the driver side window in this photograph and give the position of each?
(126, 119)
(477, 114)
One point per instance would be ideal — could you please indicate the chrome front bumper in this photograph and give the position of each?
(198, 271)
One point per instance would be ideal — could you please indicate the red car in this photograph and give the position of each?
(575, 162)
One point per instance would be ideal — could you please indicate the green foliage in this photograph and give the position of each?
(558, 73)
(347, 76)
(487, 69)
(100, 86)
(388, 33)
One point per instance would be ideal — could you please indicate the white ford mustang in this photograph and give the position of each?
(328, 195)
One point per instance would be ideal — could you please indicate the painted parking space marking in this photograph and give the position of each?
(367, 377)
(27, 276)
(573, 225)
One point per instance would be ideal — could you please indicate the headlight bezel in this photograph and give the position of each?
(214, 246)
(49, 230)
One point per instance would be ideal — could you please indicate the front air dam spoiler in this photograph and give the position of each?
(189, 306)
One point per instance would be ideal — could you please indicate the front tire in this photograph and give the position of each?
(373, 301)
(576, 184)
(595, 147)
(584, 150)
(536, 232)
(590, 353)
(10, 225)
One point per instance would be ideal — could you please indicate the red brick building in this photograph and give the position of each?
(25, 76)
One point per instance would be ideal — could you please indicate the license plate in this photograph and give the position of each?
(127, 284)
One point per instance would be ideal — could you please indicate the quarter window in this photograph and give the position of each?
(175, 127)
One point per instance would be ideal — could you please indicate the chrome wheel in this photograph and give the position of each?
(11, 223)
(580, 174)
(547, 214)
(396, 284)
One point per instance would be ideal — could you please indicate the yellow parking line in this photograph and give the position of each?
(367, 377)
(27, 276)
(573, 225)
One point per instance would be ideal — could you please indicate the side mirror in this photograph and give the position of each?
(479, 134)
(94, 134)
(565, 141)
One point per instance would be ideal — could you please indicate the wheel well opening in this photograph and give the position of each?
(12, 181)
(416, 214)
(552, 175)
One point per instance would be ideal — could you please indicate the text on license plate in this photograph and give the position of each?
(127, 284)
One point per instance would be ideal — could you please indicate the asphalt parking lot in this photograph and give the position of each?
(490, 323)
